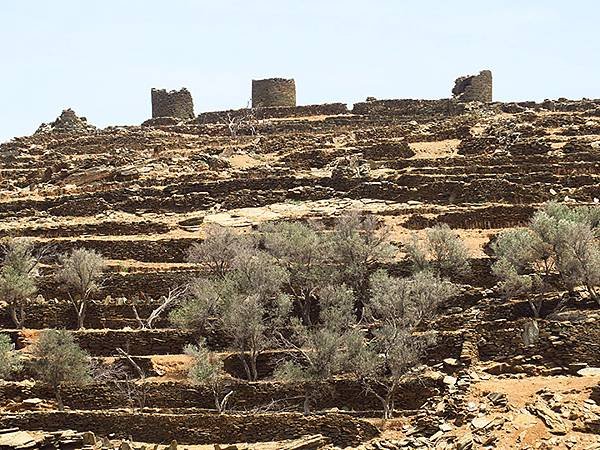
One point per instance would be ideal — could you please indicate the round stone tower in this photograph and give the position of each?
(172, 104)
(273, 92)
(474, 88)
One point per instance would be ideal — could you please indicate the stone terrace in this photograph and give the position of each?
(142, 195)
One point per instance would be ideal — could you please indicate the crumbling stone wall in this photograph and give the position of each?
(201, 428)
(408, 107)
(172, 103)
(273, 92)
(343, 393)
(474, 88)
(327, 109)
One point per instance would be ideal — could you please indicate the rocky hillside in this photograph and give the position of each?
(142, 195)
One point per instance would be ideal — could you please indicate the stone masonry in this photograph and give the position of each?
(273, 92)
(67, 122)
(472, 88)
(172, 104)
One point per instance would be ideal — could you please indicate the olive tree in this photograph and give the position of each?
(397, 306)
(319, 352)
(9, 358)
(558, 240)
(207, 370)
(18, 277)
(81, 272)
(218, 250)
(59, 361)
(306, 255)
(443, 252)
(247, 304)
(359, 245)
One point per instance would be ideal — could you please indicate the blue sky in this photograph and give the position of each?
(102, 57)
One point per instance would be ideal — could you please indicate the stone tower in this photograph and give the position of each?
(273, 92)
(474, 88)
(172, 104)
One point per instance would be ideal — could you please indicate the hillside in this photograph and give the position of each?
(142, 195)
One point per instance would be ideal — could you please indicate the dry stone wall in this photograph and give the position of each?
(172, 104)
(200, 428)
(408, 108)
(343, 393)
(327, 109)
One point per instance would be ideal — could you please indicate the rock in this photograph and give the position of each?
(465, 442)
(498, 398)
(307, 443)
(32, 402)
(445, 427)
(67, 122)
(8, 430)
(575, 367)
(89, 438)
(451, 362)
(353, 166)
(589, 371)
(17, 439)
(125, 446)
(449, 380)
(531, 333)
(552, 420)
(481, 422)
(498, 368)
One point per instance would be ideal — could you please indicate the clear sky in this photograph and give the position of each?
(102, 57)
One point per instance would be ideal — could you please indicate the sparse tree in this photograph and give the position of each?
(127, 377)
(246, 304)
(9, 358)
(18, 277)
(320, 351)
(59, 361)
(219, 249)
(81, 272)
(208, 370)
(396, 308)
(306, 255)
(167, 302)
(244, 119)
(442, 252)
(359, 245)
(558, 240)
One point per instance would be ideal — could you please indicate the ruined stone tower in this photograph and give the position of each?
(473, 88)
(172, 104)
(273, 92)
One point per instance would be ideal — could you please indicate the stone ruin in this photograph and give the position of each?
(474, 88)
(177, 104)
(273, 92)
(67, 122)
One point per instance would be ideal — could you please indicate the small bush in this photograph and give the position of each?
(18, 277)
(443, 252)
(208, 371)
(9, 358)
(60, 361)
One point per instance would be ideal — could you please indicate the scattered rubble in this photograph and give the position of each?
(67, 122)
